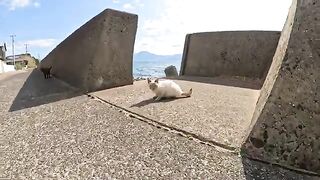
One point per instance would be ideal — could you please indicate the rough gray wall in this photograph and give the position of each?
(286, 122)
(99, 54)
(239, 53)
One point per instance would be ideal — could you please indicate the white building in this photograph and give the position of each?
(3, 65)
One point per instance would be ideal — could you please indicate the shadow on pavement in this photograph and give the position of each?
(241, 82)
(152, 101)
(37, 90)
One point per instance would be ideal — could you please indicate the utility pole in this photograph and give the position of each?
(14, 58)
(26, 48)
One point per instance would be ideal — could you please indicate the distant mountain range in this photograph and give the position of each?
(145, 56)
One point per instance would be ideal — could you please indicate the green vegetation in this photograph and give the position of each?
(36, 60)
(18, 66)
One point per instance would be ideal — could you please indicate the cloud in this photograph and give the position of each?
(14, 4)
(41, 43)
(138, 3)
(165, 33)
(36, 4)
(133, 5)
(116, 1)
(128, 6)
(36, 44)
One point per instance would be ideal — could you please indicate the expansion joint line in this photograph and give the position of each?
(180, 132)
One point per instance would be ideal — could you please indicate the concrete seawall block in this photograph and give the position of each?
(286, 122)
(99, 54)
(171, 71)
(238, 53)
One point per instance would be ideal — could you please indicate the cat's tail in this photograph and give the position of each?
(187, 94)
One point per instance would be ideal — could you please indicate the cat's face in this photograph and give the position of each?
(153, 84)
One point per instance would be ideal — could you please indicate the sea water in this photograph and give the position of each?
(144, 69)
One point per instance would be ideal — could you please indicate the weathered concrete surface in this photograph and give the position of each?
(246, 53)
(81, 138)
(99, 54)
(171, 71)
(287, 117)
(216, 112)
(34, 91)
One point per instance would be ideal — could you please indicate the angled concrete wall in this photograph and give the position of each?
(99, 54)
(286, 122)
(239, 53)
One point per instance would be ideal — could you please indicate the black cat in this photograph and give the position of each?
(46, 72)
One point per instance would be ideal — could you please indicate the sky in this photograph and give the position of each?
(162, 24)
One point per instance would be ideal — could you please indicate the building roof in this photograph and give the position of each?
(18, 57)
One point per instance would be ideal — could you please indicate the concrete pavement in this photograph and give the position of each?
(215, 112)
(84, 138)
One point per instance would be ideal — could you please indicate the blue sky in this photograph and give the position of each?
(162, 26)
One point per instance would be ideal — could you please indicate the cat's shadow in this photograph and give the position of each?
(152, 101)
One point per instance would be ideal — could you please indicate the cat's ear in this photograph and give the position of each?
(157, 80)
(149, 80)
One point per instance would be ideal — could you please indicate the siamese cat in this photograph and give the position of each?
(166, 89)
